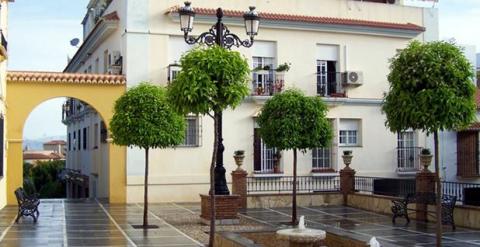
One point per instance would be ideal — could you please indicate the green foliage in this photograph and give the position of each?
(43, 177)
(291, 120)
(211, 79)
(431, 88)
(144, 118)
(27, 169)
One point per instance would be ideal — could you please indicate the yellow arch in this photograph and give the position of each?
(26, 90)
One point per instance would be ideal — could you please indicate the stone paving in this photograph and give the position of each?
(88, 223)
(363, 225)
(96, 223)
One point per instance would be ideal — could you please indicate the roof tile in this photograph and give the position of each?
(309, 19)
(58, 77)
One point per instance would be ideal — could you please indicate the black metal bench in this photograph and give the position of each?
(27, 205)
(400, 207)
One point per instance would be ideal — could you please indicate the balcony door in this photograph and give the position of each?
(263, 156)
(263, 75)
(407, 151)
(327, 78)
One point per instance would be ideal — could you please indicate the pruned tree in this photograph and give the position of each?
(144, 118)
(293, 121)
(212, 79)
(431, 90)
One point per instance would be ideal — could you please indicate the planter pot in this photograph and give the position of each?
(347, 159)
(425, 160)
(239, 161)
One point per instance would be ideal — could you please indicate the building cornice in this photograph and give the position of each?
(318, 23)
(104, 27)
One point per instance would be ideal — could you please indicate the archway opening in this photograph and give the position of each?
(65, 150)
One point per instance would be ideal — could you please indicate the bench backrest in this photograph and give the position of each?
(20, 195)
(430, 198)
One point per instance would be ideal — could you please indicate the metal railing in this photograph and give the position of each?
(267, 82)
(329, 84)
(285, 184)
(408, 159)
(385, 186)
(467, 193)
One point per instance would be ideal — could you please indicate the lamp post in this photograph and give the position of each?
(219, 35)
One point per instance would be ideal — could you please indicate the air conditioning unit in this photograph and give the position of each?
(354, 78)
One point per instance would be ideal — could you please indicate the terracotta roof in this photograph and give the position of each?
(55, 142)
(309, 19)
(58, 77)
(111, 16)
(473, 127)
(41, 156)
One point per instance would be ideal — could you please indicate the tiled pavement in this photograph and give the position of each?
(363, 225)
(87, 223)
(94, 223)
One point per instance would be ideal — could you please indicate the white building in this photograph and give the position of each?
(460, 151)
(338, 50)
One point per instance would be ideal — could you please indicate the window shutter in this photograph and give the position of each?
(257, 151)
(467, 153)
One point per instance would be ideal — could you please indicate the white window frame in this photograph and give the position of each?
(407, 148)
(192, 130)
(349, 136)
(265, 79)
(322, 158)
(267, 158)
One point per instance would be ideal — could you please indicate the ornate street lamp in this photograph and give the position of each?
(221, 36)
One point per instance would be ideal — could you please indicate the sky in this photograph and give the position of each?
(40, 32)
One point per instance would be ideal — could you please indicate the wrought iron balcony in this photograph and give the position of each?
(267, 82)
(408, 159)
(329, 84)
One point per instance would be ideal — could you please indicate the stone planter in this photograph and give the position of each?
(425, 160)
(347, 159)
(239, 157)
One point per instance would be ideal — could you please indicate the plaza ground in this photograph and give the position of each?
(97, 223)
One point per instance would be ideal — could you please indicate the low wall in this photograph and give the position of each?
(268, 239)
(285, 200)
(466, 216)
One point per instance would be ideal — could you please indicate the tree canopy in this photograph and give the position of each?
(431, 88)
(211, 79)
(144, 118)
(291, 120)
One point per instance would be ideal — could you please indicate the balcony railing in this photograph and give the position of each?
(467, 193)
(267, 82)
(305, 184)
(329, 84)
(385, 186)
(408, 159)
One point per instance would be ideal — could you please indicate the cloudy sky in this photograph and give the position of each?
(40, 31)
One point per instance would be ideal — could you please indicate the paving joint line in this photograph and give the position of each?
(184, 208)
(116, 224)
(4, 233)
(168, 224)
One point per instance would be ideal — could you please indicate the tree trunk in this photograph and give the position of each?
(211, 240)
(294, 193)
(145, 195)
(439, 192)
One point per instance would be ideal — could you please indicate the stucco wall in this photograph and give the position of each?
(144, 40)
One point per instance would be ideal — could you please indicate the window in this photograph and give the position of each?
(103, 132)
(192, 132)
(407, 151)
(349, 132)
(85, 138)
(468, 162)
(264, 157)
(97, 65)
(95, 136)
(263, 75)
(328, 80)
(106, 62)
(321, 159)
(69, 142)
(79, 140)
(74, 139)
(173, 70)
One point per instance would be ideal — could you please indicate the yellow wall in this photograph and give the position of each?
(23, 97)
